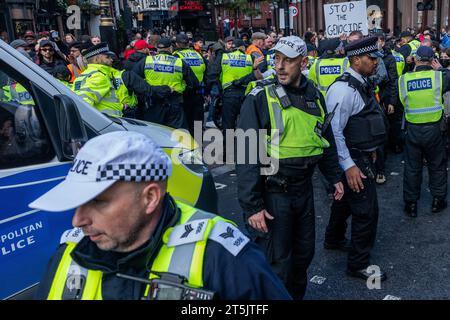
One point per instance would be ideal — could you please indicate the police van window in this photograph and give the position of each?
(23, 140)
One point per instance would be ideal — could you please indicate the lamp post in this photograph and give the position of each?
(287, 29)
(107, 30)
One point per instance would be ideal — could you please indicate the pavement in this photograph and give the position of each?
(415, 253)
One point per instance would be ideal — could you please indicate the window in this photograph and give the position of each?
(23, 140)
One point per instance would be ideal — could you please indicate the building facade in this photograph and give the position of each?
(150, 14)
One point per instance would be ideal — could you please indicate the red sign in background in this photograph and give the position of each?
(190, 5)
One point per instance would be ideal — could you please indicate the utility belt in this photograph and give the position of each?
(364, 161)
(170, 287)
(283, 184)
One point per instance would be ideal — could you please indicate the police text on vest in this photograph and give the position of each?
(420, 84)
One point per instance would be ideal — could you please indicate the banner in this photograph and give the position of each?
(345, 17)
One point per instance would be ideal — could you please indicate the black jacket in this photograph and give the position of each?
(246, 275)
(405, 50)
(389, 87)
(141, 88)
(134, 59)
(255, 115)
(49, 66)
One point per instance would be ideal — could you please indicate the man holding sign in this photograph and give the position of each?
(345, 17)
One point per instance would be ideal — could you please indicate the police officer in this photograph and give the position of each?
(166, 69)
(359, 128)
(328, 67)
(421, 95)
(234, 71)
(107, 89)
(193, 99)
(408, 48)
(95, 84)
(126, 223)
(279, 208)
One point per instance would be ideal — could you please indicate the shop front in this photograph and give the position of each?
(193, 16)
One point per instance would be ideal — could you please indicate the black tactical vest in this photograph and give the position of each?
(367, 129)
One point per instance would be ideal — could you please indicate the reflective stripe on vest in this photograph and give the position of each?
(298, 140)
(74, 282)
(235, 65)
(327, 71)
(417, 90)
(164, 69)
(194, 60)
(399, 62)
(110, 103)
(182, 259)
(311, 61)
(121, 90)
(414, 45)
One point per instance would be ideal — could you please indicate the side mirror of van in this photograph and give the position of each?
(71, 128)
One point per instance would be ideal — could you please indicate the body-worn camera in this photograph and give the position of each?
(170, 287)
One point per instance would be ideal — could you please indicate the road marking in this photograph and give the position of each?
(220, 186)
(222, 170)
(318, 280)
(389, 297)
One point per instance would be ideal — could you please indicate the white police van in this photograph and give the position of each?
(40, 132)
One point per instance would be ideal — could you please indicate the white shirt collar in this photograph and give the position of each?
(356, 75)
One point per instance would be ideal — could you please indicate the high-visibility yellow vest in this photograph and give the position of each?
(165, 70)
(421, 96)
(194, 60)
(174, 256)
(311, 61)
(17, 92)
(295, 133)
(414, 45)
(122, 91)
(95, 85)
(66, 83)
(270, 60)
(400, 62)
(325, 71)
(235, 65)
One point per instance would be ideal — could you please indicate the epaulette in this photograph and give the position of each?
(72, 235)
(256, 90)
(230, 237)
(189, 232)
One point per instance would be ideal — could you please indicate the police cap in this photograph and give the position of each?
(365, 46)
(94, 50)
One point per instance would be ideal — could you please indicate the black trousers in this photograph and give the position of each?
(169, 113)
(232, 100)
(231, 106)
(424, 141)
(289, 245)
(363, 208)
(193, 109)
(396, 136)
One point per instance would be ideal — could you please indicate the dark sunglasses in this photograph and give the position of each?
(47, 50)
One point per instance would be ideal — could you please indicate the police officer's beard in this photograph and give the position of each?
(128, 239)
(292, 81)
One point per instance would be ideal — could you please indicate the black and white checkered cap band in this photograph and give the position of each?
(133, 172)
(96, 52)
(361, 51)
